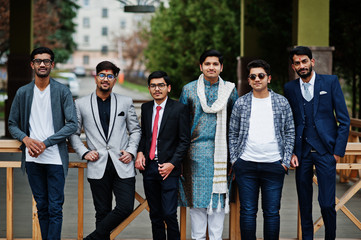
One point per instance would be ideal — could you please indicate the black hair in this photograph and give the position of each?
(106, 65)
(300, 50)
(41, 50)
(259, 63)
(211, 53)
(159, 74)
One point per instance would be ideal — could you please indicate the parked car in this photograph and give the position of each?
(79, 71)
(69, 79)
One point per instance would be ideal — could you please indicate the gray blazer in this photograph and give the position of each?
(124, 134)
(64, 118)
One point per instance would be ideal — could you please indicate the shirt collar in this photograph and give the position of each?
(312, 81)
(162, 104)
(208, 83)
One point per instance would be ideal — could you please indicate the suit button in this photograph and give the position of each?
(108, 147)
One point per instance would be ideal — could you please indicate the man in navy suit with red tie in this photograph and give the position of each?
(165, 140)
(322, 126)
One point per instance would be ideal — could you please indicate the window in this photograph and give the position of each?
(86, 39)
(104, 50)
(85, 59)
(86, 2)
(104, 31)
(123, 24)
(86, 22)
(104, 12)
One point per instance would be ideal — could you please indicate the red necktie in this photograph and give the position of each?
(154, 135)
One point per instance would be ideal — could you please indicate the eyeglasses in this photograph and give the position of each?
(102, 76)
(46, 62)
(160, 86)
(259, 75)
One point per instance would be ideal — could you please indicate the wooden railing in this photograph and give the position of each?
(351, 162)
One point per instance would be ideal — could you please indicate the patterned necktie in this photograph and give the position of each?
(154, 135)
(306, 93)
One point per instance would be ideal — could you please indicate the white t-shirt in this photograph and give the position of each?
(41, 127)
(261, 145)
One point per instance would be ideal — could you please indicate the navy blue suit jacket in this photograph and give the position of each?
(173, 135)
(330, 113)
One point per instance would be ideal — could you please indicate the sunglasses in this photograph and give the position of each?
(260, 76)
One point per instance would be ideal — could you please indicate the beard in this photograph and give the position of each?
(42, 75)
(104, 89)
(305, 75)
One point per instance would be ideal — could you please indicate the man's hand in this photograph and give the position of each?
(125, 157)
(140, 161)
(294, 161)
(35, 147)
(284, 166)
(165, 169)
(336, 157)
(92, 156)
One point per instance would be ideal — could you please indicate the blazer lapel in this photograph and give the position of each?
(148, 115)
(95, 113)
(113, 113)
(316, 94)
(167, 109)
(299, 97)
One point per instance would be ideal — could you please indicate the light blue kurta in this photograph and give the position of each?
(196, 183)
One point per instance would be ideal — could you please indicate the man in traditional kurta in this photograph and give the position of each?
(203, 185)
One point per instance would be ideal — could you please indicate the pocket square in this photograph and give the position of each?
(121, 114)
(323, 92)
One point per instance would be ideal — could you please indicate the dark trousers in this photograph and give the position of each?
(252, 177)
(326, 177)
(47, 185)
(162, 196)
(102, 191)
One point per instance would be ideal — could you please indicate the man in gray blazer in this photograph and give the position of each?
(112, 136)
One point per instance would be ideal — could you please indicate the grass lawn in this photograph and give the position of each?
(133, 86)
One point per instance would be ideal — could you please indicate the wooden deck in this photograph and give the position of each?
(140, 227)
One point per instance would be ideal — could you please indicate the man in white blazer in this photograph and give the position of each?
(112, 134)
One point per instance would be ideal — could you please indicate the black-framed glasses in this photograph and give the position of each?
(102, 76)
(47, 62)
(160, 86)
(259, 75)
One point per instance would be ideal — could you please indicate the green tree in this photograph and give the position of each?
(53, 26)
(179, 34)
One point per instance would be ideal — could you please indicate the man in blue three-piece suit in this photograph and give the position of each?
(322, 126)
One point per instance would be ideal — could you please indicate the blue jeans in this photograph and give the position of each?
(251, 177)
(47, 185)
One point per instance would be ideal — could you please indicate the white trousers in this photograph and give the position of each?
(199, 220)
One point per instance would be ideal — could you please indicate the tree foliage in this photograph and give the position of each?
(179, 34)
(53, 26)
(345, 32)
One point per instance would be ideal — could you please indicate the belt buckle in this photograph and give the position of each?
(313, 150)
(155, 159)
